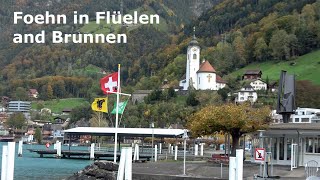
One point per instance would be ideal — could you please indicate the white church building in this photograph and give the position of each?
(201, 76)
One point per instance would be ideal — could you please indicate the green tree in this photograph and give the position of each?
(240, 50)
(192, 100)
(80, 112)
(172, 93)
(49, 91)
(38, 135)
(16, 121)
(224, 93)
(229, 118)
(261, 49)
(279, 44)
(21, 94)
(155, 95)
(40, 106)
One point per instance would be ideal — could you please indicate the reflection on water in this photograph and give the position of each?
(31, 166)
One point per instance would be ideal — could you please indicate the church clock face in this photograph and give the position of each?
(194, 49)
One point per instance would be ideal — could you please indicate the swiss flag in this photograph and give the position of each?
(109, 83)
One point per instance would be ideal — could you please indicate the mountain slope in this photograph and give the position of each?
(305, 67)
(232, 35)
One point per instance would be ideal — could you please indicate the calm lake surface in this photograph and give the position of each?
(31, 166)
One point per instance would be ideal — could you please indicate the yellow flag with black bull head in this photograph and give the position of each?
(100, 104)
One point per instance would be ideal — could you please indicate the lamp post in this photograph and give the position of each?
(152, 126)
(261, 139)
(185, 137)
(244, 147)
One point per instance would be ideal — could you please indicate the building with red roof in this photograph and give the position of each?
(200, 76)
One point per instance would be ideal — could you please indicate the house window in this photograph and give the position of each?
(316, 145)
(194, 56)
(242, 98)
(250, 93)
(281, 148)
(317, 148)
(305, 119)
(309, 145)
(296, 119)
(241, 93)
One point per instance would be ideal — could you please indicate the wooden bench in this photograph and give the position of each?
(219, 158)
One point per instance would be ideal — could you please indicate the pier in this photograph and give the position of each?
(84, 154)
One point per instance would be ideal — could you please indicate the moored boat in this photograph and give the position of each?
(6, 138)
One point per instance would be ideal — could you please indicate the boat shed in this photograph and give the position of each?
(129, 132)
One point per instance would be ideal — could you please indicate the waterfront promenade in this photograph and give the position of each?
(207, 170)
(53, 168)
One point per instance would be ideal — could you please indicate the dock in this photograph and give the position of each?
(83, 154)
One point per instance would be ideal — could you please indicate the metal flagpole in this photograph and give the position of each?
(117, 116)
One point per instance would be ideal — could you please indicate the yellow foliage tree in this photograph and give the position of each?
(229, 118)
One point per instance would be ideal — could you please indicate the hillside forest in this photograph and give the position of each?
(232, 35)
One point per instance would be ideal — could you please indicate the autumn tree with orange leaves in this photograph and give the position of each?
(229, 118)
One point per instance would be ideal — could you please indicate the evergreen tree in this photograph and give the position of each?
(38, 135)
(192, 100)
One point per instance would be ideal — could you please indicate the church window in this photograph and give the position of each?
(194, 56)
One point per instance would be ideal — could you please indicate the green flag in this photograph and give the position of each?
(122, 106)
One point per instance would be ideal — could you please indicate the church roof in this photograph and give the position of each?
(220, 80)
(206, 67)
(194, 42)
(253, 71)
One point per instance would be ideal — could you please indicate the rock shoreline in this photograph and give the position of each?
(101, 170)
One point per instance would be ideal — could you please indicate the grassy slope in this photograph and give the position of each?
(58, 105)
(306, 68)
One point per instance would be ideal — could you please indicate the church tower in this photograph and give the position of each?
(193, 63)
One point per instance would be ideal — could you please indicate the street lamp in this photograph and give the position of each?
(152, 126)
(261, 138)
(185, 137)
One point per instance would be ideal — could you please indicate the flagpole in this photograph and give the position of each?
(117, 116)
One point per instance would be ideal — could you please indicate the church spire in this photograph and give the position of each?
(194, 39)
(194, 32)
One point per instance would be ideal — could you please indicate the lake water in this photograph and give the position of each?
(31, 166)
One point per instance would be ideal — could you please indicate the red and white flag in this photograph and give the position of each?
(109, 83)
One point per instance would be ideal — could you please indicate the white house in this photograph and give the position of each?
(220, 82)
(201, 76)
(258, 84)
(33, 93)
(247, 93)
(301, 115)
